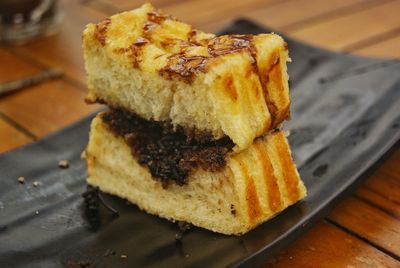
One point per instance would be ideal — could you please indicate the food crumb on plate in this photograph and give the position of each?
(63, 164)
(21, 180)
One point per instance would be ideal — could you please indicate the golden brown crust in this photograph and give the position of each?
(265, 76)
(180, 64)
(254, 211)
(290, 175)
(239, 81)
(274, 194)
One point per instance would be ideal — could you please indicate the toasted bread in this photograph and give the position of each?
(162, 69)
(254, 185)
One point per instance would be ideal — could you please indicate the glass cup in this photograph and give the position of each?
(22, 20)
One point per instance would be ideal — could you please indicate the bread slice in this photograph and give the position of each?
(162, 69)
(254, 185)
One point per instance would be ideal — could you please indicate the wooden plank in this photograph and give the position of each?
(382, 189)
(388, 172)
(122, 5)
(10, 137)
(369, 222)
(352, 28)
(380, 201)
(195, 12)
(389, 48)
(200, 12)
(327, 246)
(392, 167)
(13, 67)
(384, 183)
(64, 49)
(46, 107)
(287, 13)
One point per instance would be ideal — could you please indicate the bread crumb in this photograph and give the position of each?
(63, 164)
(178, 238)
(124, 256)
(37, 212)
(21, 180)
(35, 184)
(184, 226)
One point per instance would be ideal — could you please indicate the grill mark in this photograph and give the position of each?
(253, 204)
(186, 67)
(242, 43)
(257, 106)
(222, 45)
(154, 19)
(158, 17)
(229, 87)
(100, 33)
(135, 51)
(275, 77)
(273, 193)
(264, 76)
(148, 28)
(289, 174)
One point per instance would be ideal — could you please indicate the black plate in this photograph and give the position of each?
(345, 117)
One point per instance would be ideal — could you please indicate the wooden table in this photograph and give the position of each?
(363, 231)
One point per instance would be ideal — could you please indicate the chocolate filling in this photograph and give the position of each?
(169, 154)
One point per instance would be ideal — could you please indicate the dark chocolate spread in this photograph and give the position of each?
(169, 154)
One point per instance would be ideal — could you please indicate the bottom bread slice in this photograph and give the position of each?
(253, 186)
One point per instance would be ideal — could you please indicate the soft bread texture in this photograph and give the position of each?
(162, 69)
(255, 184)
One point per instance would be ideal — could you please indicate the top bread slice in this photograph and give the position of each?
(161, 69)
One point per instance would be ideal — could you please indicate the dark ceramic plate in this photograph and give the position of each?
(345, 117)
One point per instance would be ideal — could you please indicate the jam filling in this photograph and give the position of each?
(170, 154)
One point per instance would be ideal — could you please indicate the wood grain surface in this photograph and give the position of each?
(362, 231)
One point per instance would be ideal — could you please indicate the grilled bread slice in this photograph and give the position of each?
(162, 69)
(254, 185)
